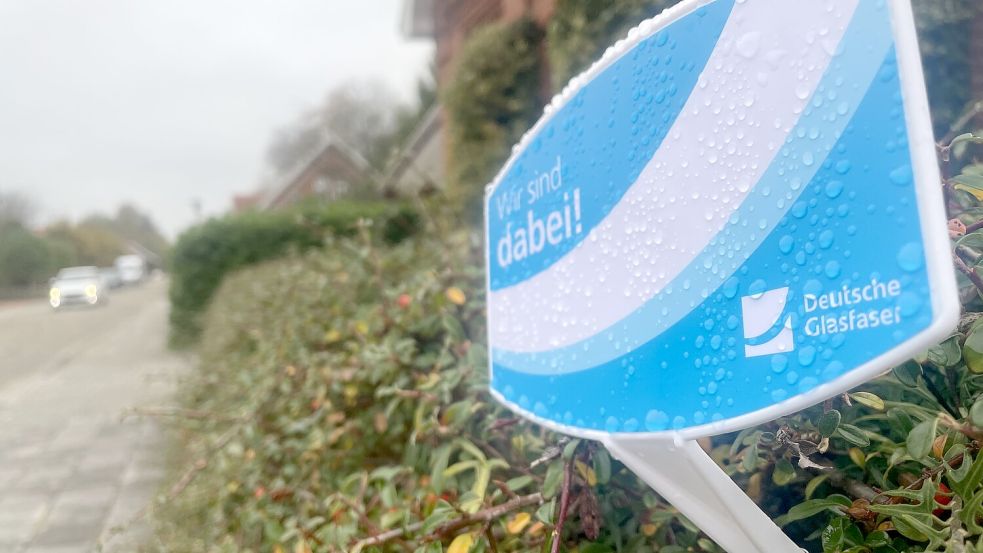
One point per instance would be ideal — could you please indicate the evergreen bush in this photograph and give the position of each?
(493, 97)
(204, 254)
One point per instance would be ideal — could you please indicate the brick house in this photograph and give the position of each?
(448, 23)
(332, 173)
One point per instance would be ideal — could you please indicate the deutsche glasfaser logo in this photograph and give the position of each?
(764, 331)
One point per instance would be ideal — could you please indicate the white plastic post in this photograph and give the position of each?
(683, 474)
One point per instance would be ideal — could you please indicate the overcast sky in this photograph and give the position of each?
(159, 102)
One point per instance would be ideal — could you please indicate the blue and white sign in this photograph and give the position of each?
(734, 215)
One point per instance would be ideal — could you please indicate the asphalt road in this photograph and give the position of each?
(73, 470)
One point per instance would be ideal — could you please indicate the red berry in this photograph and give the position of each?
(942, 498)
(404, 300)
(259, 492)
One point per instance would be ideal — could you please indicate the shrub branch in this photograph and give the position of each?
(453, 526)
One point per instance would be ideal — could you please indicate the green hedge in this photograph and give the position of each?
(581, 30)
(945, 36)
(343, 400)
(493, 98)
(206, 253)
(25, 259)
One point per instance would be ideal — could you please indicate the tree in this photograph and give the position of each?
(131, 225)
(293, 145)
(358, 114)
(91, 244)
(25, 259)
(16, 207)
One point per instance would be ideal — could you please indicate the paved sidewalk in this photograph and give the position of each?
(72, 470)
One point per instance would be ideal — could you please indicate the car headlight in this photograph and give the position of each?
(54, 293)
(91, 290)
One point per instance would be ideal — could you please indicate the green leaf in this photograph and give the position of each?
(554, 477)
(742, 439)
(868, 399)
(976, 413)
(919, 529)
(471, 449)
(545, 512)
(481, 478)
(570, 448)
(458, 413)
(829, 422)
(441, 513)
(908, 373)
(470, 502)
(595, 548)
(832, 536)
(919, 442)
(459, 467)
(973, 349)
(454, 328)
(972, 240)
(834, 503)
(946, 354)
(972, 512)
(750, 461)
(968, 182)
(602, 466)
(965, 138)
(965, 487)
(852, 434)
(840, 535)
(784, 472)
(958, 474)
(390, 518)
(878, 539)
(519, 482)
(900, 421)
(814, 483)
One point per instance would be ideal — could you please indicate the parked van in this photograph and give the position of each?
(132, 269)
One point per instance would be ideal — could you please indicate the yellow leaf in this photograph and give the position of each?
(649, 529)
(938, 446)
(587, 473)
(518, 522)
(868, 399)
(361, 327)
(536, 528)
(753, 489)
(332, 336)
(456, 295)
(971, 190)
(858, 457)
(461, 544)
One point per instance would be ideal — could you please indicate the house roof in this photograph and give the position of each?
(270, 196)
(430, 124)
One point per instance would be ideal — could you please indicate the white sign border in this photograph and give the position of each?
(931, 210)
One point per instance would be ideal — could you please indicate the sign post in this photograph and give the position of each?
(734, 215)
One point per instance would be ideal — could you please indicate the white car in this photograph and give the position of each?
(132, 269)
(77, 285)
